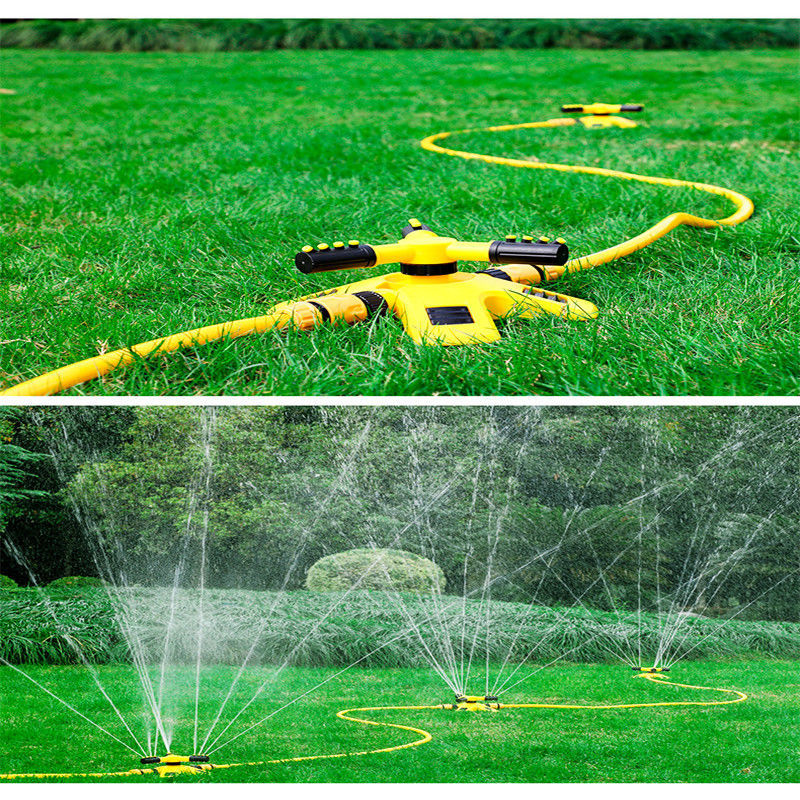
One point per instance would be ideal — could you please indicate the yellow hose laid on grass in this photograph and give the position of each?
(82, 371)
(424, 736)
(740, 696)
(744, 206)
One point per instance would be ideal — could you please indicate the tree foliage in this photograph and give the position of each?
(15, 463)
(608, 505)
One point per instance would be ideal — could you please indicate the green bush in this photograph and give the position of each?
(40, 626)
(7, 583)
(396, 570)
(196, 35)
(75, 582)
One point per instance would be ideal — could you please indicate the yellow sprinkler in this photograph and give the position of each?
(465, 702)
(170, 765)
(601, 115)
(650, 670)
(435, 301)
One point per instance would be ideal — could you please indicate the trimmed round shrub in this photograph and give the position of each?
(75, 582)
(7, 583)
(396, 570)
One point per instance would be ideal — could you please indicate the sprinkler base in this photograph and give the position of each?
(650, 670)
(170, 765)
(474, 703)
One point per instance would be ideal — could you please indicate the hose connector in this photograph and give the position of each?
(348, 308)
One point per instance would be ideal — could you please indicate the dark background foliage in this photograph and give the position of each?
(327, 34)
(287, 486)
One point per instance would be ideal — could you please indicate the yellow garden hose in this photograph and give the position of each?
(744, 206)
(740, 696)
(424, 736)
(97, 366)
(83, 371)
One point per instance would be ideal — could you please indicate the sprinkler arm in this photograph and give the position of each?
(600, 114)
(421, 252)
(601, 109)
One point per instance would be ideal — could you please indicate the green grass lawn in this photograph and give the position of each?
(146, 194)
(753, 741)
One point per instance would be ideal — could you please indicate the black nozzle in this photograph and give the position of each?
(580, 109)
(150, 760)
(541, 253)
(198, 759)
(352, 256)
(461, 698)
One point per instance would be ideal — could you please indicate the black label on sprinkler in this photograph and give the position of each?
(449, 315)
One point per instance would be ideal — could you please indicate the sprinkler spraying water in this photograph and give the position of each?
(477, 548)
(474, 703)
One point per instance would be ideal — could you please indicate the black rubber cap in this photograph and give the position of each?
(533, 253)
(361, 255)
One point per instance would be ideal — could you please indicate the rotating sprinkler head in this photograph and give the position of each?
(436, 303)
(650, 670)
(170, 765)
(601, 115)
(474, 703)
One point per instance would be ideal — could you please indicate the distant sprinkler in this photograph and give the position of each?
(170, 765)
(474, 703)
(650, 669)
